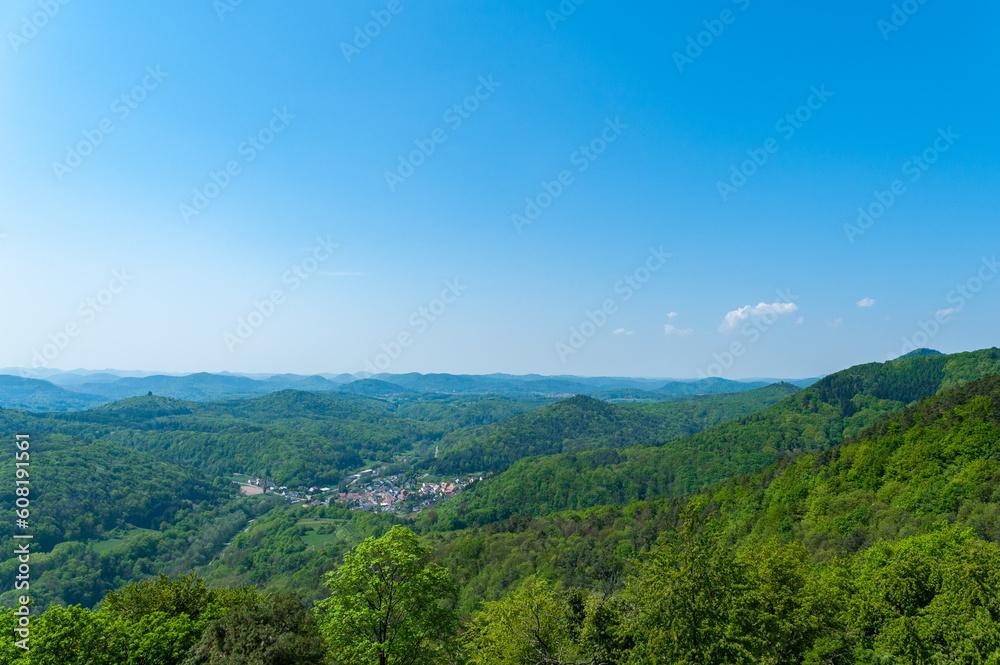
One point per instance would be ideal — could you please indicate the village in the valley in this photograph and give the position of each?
(366, 490)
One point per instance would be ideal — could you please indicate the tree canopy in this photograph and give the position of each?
(389, 604)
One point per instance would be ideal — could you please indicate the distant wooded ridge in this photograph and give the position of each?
(53, 390)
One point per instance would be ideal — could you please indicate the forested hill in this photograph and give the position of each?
(583, 423)
(295, 438)
(838, 406)
(939, 459)
(21, 393)
(304, 438)
(89, 492)
(85, 490)
(908, 588)
(292, 437)
(935, 460)
(71, 391)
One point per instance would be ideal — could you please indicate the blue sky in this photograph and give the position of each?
(620, 102)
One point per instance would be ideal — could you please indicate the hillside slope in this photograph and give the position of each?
(939, 459)
(839, 406)
(38, 395)
(583, 423)
(292, 437)
(84, 493)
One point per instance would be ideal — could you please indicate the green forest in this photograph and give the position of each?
(141, 486)
(853, 521)
(584, 423)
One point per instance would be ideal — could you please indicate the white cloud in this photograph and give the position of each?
(775, 309)
(836, 323)
(941, 313)
(800, 321)
(671, 315)
(674, 330)
(866, 302)
(622, 331)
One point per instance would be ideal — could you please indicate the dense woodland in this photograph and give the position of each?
(854, 521)
(141, 486)
(585, 423)
(838, 406)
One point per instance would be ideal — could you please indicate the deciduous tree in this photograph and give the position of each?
(389, 604)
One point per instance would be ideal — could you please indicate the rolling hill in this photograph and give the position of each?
(85, 492)
(202, 386)
(583, 423)
(938, 459)
(54, 390)
(837, 407)
(373, 388)
(934, 461)
(38, 395)
(294, 438)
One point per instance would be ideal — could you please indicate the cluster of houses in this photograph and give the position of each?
(388, 494)
(313, 496)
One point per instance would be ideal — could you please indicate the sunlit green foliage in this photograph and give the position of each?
(837, 407)
(584, 423)
(389, 605)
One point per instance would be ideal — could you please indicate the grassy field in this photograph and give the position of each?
(313, 537)
(102, 546)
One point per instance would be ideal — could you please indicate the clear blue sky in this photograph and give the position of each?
(668, 130)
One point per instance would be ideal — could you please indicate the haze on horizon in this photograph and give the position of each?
(722, 188)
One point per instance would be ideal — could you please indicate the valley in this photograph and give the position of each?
(274, 490)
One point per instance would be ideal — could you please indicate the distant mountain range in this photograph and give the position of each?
(53, 390)
(38, 395)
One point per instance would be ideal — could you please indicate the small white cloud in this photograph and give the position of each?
(671, 315)
(866, 302)
(941, 313)
(836, 323)
(674, 330)
(775, 309)
(622, 331)
(800, 321)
